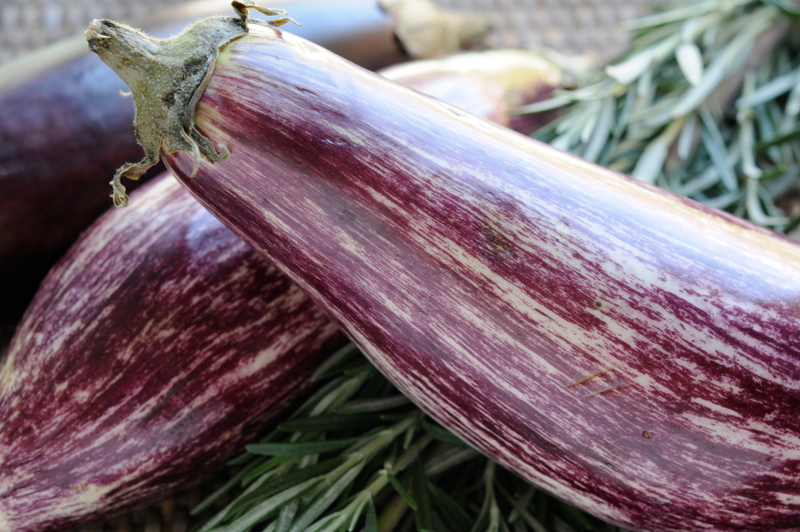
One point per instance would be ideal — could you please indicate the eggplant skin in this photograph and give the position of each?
(156, 348)
(65, 127)
(490, 84)
(629, 351)
(51, 131)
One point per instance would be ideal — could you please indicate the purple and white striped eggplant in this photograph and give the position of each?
(490, 84)
(156, 348)
(627, 350)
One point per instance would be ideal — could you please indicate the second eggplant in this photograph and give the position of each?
(153, 351)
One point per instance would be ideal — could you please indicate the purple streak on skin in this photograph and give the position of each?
(629, 351)
(153, 351)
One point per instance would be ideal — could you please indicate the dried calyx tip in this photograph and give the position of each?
(425, 31)
(165, 97)
(241, 9)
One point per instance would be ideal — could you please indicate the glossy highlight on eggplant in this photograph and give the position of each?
(632, 352)
(153, 351)
(491, 84)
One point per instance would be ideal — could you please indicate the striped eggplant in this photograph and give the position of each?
(156, 348)
(64, 124)
(490, 84)
(632, 352)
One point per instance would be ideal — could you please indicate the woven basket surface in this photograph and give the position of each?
(578, 26)
(589, 27)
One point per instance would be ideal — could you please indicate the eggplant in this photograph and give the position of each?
(64, 123)
(632, 352)
(490, 84)
(51, 128)
(153, 351)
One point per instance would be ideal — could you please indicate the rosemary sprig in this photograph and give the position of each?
(704, 104)
(359, 455)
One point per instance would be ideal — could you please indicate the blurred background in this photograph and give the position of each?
(589, 27)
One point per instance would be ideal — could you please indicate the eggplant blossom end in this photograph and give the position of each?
(166, 78)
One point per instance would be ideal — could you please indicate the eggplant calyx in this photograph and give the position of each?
(166, 78)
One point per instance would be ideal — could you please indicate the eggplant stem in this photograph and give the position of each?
(241, 9)
(165, 97)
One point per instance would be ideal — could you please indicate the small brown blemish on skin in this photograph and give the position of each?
(588, 378)
(348, 215)
(605, 391)
(496, 244)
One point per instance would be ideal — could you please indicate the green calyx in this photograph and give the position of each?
(166, 78)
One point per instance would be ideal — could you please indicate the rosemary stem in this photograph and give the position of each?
(390, 517)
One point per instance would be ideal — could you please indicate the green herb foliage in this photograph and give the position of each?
(357, 455)
(705, 104)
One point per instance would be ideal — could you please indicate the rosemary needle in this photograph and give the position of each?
(674, 107)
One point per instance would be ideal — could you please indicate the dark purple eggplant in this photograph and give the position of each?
(59, 131)
(153, 351)
(632, 352)
(64, 125)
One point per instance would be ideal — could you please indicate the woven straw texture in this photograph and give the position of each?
(579, 26)
(588, 27)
